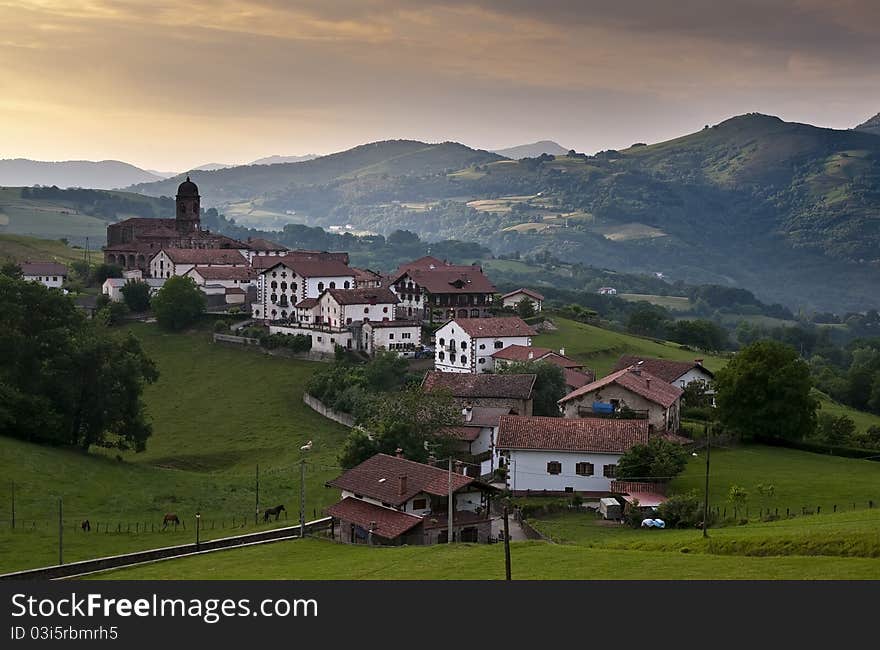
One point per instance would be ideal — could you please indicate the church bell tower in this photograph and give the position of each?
(187, 207)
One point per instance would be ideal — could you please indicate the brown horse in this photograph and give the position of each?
(170, 518)
(85, 525)
(277, 510)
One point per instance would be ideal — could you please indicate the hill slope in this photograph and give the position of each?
(532, 150)
(102, 175)
(871, 126)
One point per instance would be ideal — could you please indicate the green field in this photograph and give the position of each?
(217, 412)
(673, 303)
(20, 248)
(600, 348)
(324, 560)
(49, 219)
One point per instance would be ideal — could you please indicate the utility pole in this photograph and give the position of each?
(506, 546)
(449, 535)
(13, 505)
(706, 496)
(257, 502)
(302, 498)
(60, 531)
(198, 521)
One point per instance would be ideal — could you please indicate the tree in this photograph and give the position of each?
(112, 313)
(136, 294)
(835, 429)
(766, 390)
(385, 371)
(658, 459)
(179, 303)
(66, 379)
(525, 308)
(549, 384)
(696, 395)
(103, 271)
(11, 270)
(405, 420)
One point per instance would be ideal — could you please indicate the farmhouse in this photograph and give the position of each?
(431, 289)
(169, 262)
(230, 277)
(390, 500)
(475, 437)
(559, 455)
(607, 291)
(574, 372)
(677, 373)
(401, 336)
(630, 392)
(112, 287)
(467, 344)
(292, 279)
(263, 247)
(513, 298)
(49, 274)
(513, 392)
(366, 279)
(338, 308)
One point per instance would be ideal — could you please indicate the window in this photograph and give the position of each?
(384, 310)
(482, 360)
(366, 310)
(442, 342)
(406, 335)
(482, 346)
(554, 467)
(583, 469)
(332, 285)
(441, 355)
(420, 504)
(609, 471)
(463, 360)
(464, 345)
(348, 321)
(283, 286)
(274, 285)
(391, 336)
(320, 287)
(499, 345)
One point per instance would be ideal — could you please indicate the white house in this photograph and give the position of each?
(477, 433)
(112, 287)
(259, 247)
(324, 339)
(677, 373)
(513, 298)
(401, 336)
(342, 307)
(467, 344)
(562, 455)
(169, 262)
(230, 277)
(607, 291)
(49, 274)
(283, 285)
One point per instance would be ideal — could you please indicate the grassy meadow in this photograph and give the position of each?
(20, 248)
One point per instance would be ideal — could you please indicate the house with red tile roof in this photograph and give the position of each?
(474, 437)
(559, 455)
(513, 298)
(467, 344)
(513, 392)
(630, 392)
(168, 262)
(293, 278)
(390, 500)
(677, 373)
(49, 274)
(574, 372)
(431, 289)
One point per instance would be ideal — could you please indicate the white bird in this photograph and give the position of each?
(307, 446)
(694, 453)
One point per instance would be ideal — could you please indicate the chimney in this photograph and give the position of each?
(398, 452)
(531, 355)
(699, 362)
(402, 484)
(562, 352)
(647, 382)
(468, 413)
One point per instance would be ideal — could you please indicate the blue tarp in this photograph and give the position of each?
(603, 407)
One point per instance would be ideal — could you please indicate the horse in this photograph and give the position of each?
(170, 518)
(85, 525)
(273, 511)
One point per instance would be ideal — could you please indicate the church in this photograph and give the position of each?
(133, 242)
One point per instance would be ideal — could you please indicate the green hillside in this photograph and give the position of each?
(19, 248)
(871, 126)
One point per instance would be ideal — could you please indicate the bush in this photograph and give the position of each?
(701, 413)
(683, 510)
(220, 326)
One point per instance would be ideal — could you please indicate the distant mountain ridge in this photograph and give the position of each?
(278, 160)
(101, 175)
(532, 150)
(870, 126)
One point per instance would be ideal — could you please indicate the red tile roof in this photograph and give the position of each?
(379, 477)
(224, 272)
(445, 278)
(392, 323)
(204, 256)
(576, 378)
(639, 382)
(385, 522)
(666, 369)
(462, 432)
(260, 244)
(465, 385)
(529, 292)
(266, 261)
(316, 268)
(42, 268)
(365, 296)
(494, 327)
(596, 435)
(307, 303)
(521, 353)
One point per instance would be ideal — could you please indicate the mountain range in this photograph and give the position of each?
(871, 126)
(100, 175)
(532, 150)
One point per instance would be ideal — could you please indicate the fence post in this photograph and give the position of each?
(818, 510)
(835, 507)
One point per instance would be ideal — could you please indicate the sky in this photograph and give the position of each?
(172, 85)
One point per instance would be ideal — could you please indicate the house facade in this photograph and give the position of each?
(49, 274)
(431, 289)
(401, 336)
(513, 299)
(513, 392)
(168, 262)
(229, 277)
(290, 280)
(677, 373)
(474, 438)
(389, 500)
(630, 392)
(466, 345)
(558, 456)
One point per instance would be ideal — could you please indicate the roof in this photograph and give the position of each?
(486, 416)
(307, 303)
(224, 272)
(596, 435)
(366, 275)
(204, 256)
(260, 244)
(529, 292)
(636, 381)
(575, 378)
(462, 384)
(448, 279)
(187, 188)
(521, 353)
(379, 477)
(665, 369)
(385, 522)
(462, 432)
(311, 268)
(147, 221)
(365, 296)
(42, 268)
(267, 261)
(392, 323)
(235, 290)
(494, 327)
